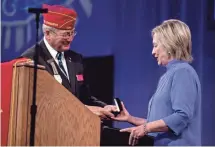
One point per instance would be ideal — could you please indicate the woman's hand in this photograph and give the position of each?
(135, 133)
(123, 116)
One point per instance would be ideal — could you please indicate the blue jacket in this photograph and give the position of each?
(177, 101)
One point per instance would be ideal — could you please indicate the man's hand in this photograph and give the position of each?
(103, 113)
(110, 108)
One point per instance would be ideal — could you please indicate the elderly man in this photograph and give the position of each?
(54, 53)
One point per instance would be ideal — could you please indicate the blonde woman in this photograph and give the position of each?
(174, 111)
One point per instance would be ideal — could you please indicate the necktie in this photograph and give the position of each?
(59, 58)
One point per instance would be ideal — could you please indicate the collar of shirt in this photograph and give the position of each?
(51, 50)
(173, 62)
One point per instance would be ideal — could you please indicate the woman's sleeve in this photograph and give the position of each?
(183, 98)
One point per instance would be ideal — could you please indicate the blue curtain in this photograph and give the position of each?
(123, 28)
(137, 73)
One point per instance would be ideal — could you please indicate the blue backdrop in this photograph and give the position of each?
(122, 28)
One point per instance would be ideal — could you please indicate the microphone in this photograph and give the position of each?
(37, 10)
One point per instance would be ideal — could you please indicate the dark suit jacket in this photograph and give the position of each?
(75, 67)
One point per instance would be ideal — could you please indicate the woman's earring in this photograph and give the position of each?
(169, 54)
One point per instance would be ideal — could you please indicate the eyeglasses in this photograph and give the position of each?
(70, 34)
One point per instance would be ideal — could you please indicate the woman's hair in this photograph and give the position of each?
(175, 37)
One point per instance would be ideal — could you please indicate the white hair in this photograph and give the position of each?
(48, 28)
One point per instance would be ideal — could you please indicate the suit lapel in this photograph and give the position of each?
(44, 56)
(71, 71)
(44, 53)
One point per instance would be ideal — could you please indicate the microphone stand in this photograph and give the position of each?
(37, 12)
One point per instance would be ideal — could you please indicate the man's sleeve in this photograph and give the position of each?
(29, 53)
(183, 98)
(97, 102)
(87, 98)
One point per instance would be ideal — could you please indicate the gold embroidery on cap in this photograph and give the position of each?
(66, 23)
(51, 23)
(63, 15)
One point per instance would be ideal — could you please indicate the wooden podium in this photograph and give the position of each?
(61, 119)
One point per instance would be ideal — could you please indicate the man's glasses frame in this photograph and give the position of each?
(70, 34)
